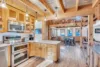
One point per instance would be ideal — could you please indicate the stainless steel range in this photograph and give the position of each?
(19, 50)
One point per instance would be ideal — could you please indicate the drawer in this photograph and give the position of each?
(32, 53)
(52, 49)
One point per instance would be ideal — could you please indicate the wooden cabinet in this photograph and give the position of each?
(32, 49)
(53, 52)
(38, 50)
(32, 23)
(3, 20)
(47, 51)
(12, 14)
(29, 24)
(21, 17)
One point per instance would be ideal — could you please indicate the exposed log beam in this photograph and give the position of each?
(77, 5)
(61, 5)
(66, 24)
(95, 2)
(84, 11)
(47, 6)
(33, 6)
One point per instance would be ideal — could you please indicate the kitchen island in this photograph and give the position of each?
(46, 49)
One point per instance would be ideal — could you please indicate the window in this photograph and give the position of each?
(62, 32)
(77, 32)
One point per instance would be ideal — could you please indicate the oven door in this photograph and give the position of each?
(18, 48)
(19, 58)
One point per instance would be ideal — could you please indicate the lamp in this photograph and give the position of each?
(26, 12)
(3, 4)
(56, 8)
(36, 17)
(45, 15)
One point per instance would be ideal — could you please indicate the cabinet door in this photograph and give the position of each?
(38, 50)
(49, 52)
(43, 50)
(3, 19)
(32, 49)
(52, 52)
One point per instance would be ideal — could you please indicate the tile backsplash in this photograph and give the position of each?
(26, 35)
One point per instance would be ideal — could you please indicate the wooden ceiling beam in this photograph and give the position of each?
(84, 11)
(47, 6)
(95, 2)
(77, 5)
(33, 6)
(61, 5)
(77, 24)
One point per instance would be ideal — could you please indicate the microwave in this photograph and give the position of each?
(15, 26)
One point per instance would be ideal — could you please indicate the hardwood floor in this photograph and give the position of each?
(70, 56)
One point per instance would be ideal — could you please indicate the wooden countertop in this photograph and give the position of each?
(46, 41)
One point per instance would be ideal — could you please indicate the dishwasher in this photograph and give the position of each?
(3, 56)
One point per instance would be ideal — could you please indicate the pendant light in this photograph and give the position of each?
(3, 4)
(45, 19)
(56, 8)
(36, 17)
(27, 15)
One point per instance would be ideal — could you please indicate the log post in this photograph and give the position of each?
(97, 11)
(81, 42)
(90, 40)
(44, 30)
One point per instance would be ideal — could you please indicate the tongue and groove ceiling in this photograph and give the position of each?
(63, 5)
